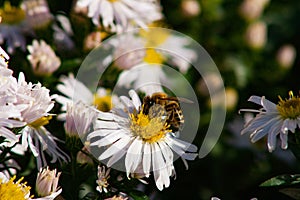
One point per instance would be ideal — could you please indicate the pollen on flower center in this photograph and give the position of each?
(41, 121)
(153, 56)
(10, 14)
(289, 108)
(103, 103)
(14, 191)
(149, 129)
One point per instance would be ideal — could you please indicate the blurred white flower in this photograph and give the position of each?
(256, 35)
(144, 139)
(13, 27)
(119, 15)
(42, 58)
(252, 9)
(47, 184)
(286, 56)
(37, 13)
(190, 8)
(103, 176)
(160, 47)
(145, 77)
(63, 34)
(273, 120)
(129, 50)
(75, 91)
(172, 48)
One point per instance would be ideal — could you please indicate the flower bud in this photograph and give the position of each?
(256, 35)
(47, 183)
(286, 56)
(252, 9)
(42, 58)
(190, 8)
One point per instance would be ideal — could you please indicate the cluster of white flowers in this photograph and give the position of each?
(27, 106)
(100, 118)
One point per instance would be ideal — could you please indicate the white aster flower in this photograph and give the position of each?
(35, 135)
(160, 48)
(11, 189)
(274, 120)
(103, 176)
(119, 15)
(42, 58)
(10, 114)
(75, 91)
(47, 183)
(79, 119)
(129, 51)
(145, 77)
(173, 48)
(144, 139)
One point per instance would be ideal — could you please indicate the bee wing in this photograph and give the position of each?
(184, 100)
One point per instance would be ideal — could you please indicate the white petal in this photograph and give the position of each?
(147, 158)
(115, 148)
(109, 139)
(133, 156)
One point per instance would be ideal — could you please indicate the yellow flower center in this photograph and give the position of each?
(153, 56)
(10, 14)
(14, 191)
(103, 103)
(112, 1)
(41, 122)
(289, 108)
(149, 128)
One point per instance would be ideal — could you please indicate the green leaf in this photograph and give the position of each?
(282, 180)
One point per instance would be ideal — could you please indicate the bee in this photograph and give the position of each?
(171, 106)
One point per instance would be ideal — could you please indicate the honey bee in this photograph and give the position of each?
(174, 115)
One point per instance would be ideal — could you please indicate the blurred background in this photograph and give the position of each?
(255, 45)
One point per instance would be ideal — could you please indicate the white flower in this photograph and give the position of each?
(11, 189)
(47, 183)
(10, 114)
(79, 119)
(42, 58)
(129, 51)
(144, 77)
(119, 15)
(144, 139)
(35, 135)
(274, 120)
(75, 91)
(170, 46)
(103, 176)
(160, 47)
